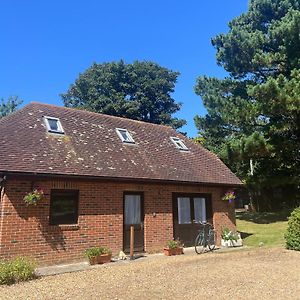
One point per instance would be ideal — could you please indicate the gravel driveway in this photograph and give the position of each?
(248, 274)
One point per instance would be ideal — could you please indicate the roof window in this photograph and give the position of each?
(53, 125)
(179, 143)
(125, 136)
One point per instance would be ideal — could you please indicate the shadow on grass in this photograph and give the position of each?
(245, 234)
(264, 217)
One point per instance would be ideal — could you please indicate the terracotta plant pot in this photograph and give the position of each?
(93, 260)
(100, 259)
(104, 258)
(174, 251)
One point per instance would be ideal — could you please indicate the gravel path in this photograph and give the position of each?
(249, 274)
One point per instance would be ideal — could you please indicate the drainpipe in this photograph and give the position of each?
(2, 181)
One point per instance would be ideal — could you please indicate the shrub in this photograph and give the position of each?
(292, 236)
(16, 270)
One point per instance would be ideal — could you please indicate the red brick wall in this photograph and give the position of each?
(26, 230)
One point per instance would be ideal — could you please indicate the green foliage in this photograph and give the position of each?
(16, 270)
(33, 197)
(173, 244)
(292, 235)
(140, 91)
(253, 119)
(228, 235)
(96, 251)
(9, 106)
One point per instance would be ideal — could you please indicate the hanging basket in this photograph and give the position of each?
(33, 197)
(229, 196)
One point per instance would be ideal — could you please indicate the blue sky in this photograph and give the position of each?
(46, 44)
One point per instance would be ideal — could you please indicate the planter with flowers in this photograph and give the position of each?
(229, 196)
(174, 247)
(33, 197)
(98, 255)
(231, 238)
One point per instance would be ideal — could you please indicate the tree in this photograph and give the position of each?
(9, 106)
(253, 119)
(140, 91)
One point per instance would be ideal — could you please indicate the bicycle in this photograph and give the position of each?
(205, 238)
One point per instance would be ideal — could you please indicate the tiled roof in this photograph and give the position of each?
(91, 147)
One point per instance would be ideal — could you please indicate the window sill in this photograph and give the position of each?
(66, 227)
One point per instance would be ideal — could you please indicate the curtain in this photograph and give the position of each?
(184, 210)
(200, 210)
(132, 209)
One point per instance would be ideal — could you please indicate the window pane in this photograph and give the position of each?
(200, 210)
(53, 124)
(124, 135)
(64, 207)
(132, 209)
(184, 210)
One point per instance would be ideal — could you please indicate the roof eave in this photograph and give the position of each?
(122, 179)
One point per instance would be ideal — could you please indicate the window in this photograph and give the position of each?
(125, 136)
(184, 210)
(132, 209)
(53, 125)
(200, 209)
(179, 143)
(64, 207)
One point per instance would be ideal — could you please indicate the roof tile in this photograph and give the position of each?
(91, 147)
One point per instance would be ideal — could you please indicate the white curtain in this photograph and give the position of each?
(132, 209)
(184, 210)
(200, 209)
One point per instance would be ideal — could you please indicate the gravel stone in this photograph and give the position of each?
(264, 273)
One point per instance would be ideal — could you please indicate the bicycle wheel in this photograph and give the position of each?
(212, 240)
(200, 243)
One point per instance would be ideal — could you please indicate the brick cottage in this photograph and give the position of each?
(99, 175)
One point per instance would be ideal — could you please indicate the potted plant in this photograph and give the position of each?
(230, 238)
(34, 197)
(98, 255)
(174, 247)
(229, 196)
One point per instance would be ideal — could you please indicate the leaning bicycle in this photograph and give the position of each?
(206, 238)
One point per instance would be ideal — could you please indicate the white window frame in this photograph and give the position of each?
(130, 138)
(179, 143)
(59, 126)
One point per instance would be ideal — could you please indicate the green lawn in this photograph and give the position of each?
(262, 229)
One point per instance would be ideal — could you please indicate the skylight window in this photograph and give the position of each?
(179, 143)
(125, 136)
(53, 125)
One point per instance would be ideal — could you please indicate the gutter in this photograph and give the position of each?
(120, 179)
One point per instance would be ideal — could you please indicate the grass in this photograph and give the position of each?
(262, 229)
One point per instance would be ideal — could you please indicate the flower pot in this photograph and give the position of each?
(104, 258)
(232, 243)
(173, 251)
(100, 259)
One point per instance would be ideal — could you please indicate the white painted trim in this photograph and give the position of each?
(60, 128)
(130, 138)
(177, 140)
